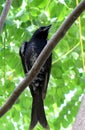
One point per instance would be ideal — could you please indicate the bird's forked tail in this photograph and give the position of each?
(38, 113)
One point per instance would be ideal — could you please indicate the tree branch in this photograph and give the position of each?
(80, 119)
(4, 13)
(43, 57)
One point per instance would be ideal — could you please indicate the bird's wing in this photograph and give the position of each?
(30, 55)
(47, 75)
(22, 53)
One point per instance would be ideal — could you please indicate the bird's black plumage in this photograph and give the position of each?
(29, 52)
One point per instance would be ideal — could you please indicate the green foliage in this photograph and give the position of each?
(67, 80)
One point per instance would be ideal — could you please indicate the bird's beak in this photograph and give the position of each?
(47, 27)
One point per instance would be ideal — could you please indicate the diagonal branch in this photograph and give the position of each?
(43, 56)
(4, 13)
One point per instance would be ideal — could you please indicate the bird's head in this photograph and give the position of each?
(42, 32)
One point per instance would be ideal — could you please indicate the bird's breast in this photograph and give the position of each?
(33, 56)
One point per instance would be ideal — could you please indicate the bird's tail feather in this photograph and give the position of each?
(38, 113)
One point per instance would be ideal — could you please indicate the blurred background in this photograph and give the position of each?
(67, 79)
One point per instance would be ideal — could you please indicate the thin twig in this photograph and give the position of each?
(66, 53)
(81, 41)
(4, 13)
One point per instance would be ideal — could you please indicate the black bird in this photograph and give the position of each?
(29, 52)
